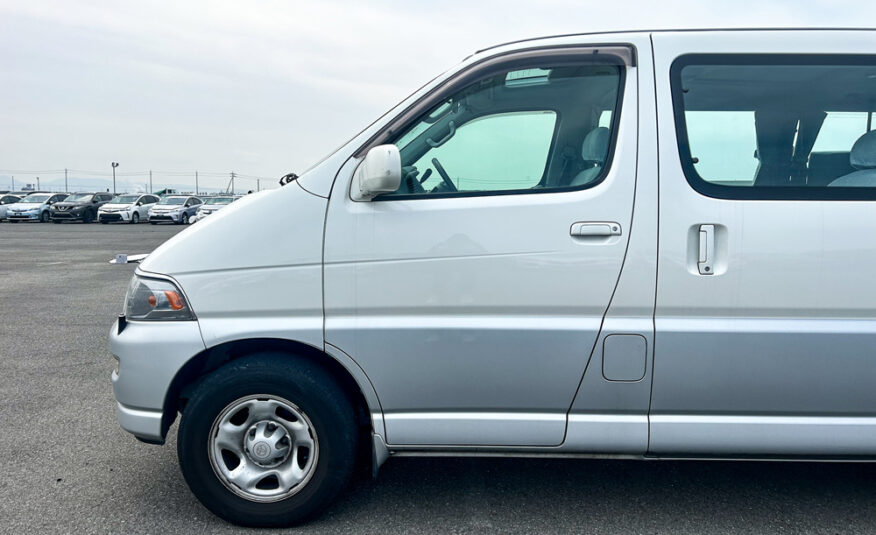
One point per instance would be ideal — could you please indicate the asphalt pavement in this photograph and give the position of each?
(69, 468)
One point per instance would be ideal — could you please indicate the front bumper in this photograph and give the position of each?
(165, 217)
(113, 216)
(23, 217)
(67, 216)
(150, 354)
(143, 424)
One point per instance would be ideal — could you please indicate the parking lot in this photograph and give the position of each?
(69, 468)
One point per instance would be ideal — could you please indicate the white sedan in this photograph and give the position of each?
(127, 208)
(212, 205)
(5, 201)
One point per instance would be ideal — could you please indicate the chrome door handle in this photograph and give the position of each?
(595, 229)
(706, 249)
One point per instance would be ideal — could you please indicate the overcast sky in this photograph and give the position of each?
(266, 87)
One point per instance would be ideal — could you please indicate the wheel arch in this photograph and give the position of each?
(337, 364)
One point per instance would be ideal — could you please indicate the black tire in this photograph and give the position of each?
(135, 218)
(153, 222)
(45, 217)
(87, 217)
(314, 392)
(185, 219)
(103, 222)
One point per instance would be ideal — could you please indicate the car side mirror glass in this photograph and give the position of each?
(380, 172)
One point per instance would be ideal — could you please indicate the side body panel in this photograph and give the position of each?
(475, 317)
(266, 281)
(774, 353)
(611, 416)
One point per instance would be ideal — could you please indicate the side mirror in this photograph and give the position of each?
(380, 172)
(139, 203)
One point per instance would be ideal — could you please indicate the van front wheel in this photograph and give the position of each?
(267, 440)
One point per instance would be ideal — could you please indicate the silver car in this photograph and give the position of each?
(644, 245)
(212, 205)
(176, 209)
(34, 207)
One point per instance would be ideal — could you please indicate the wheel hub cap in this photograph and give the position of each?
(263, 448)
(267, 444)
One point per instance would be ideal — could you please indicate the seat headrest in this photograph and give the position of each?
(863, 155)
(595, 145)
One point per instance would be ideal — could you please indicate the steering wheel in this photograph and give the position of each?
(444, 176)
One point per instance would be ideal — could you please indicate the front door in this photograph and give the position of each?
(472, 296)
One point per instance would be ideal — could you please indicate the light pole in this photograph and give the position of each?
(115, 164)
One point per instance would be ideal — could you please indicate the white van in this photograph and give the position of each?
(649, 244)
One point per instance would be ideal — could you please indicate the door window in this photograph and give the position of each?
(777, 126)
(506, 151)
(520, 131)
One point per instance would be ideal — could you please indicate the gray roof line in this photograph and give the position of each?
(668, 30)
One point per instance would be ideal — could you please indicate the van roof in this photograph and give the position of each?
(674, 30)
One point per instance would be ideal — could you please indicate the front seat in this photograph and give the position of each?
(862, 158)
(594, 150)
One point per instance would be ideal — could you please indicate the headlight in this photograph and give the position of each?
(155, 299)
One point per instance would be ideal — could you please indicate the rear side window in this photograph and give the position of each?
(544, 128)
(777, 126)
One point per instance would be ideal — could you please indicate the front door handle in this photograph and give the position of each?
(595, 229)
(706, 250)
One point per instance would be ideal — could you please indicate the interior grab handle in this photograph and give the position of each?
(452, 130)
(706, 250)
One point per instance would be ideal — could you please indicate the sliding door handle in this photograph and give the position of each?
(706, 250)
(595, 229)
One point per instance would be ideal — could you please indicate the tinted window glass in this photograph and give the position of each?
(498, 152)
(519, 131)
(777, 127)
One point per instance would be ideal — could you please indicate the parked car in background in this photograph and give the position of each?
(34, 207)
(5, 201)
(212, 205)
(79, 207)
(127, 208)
(176, 209)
